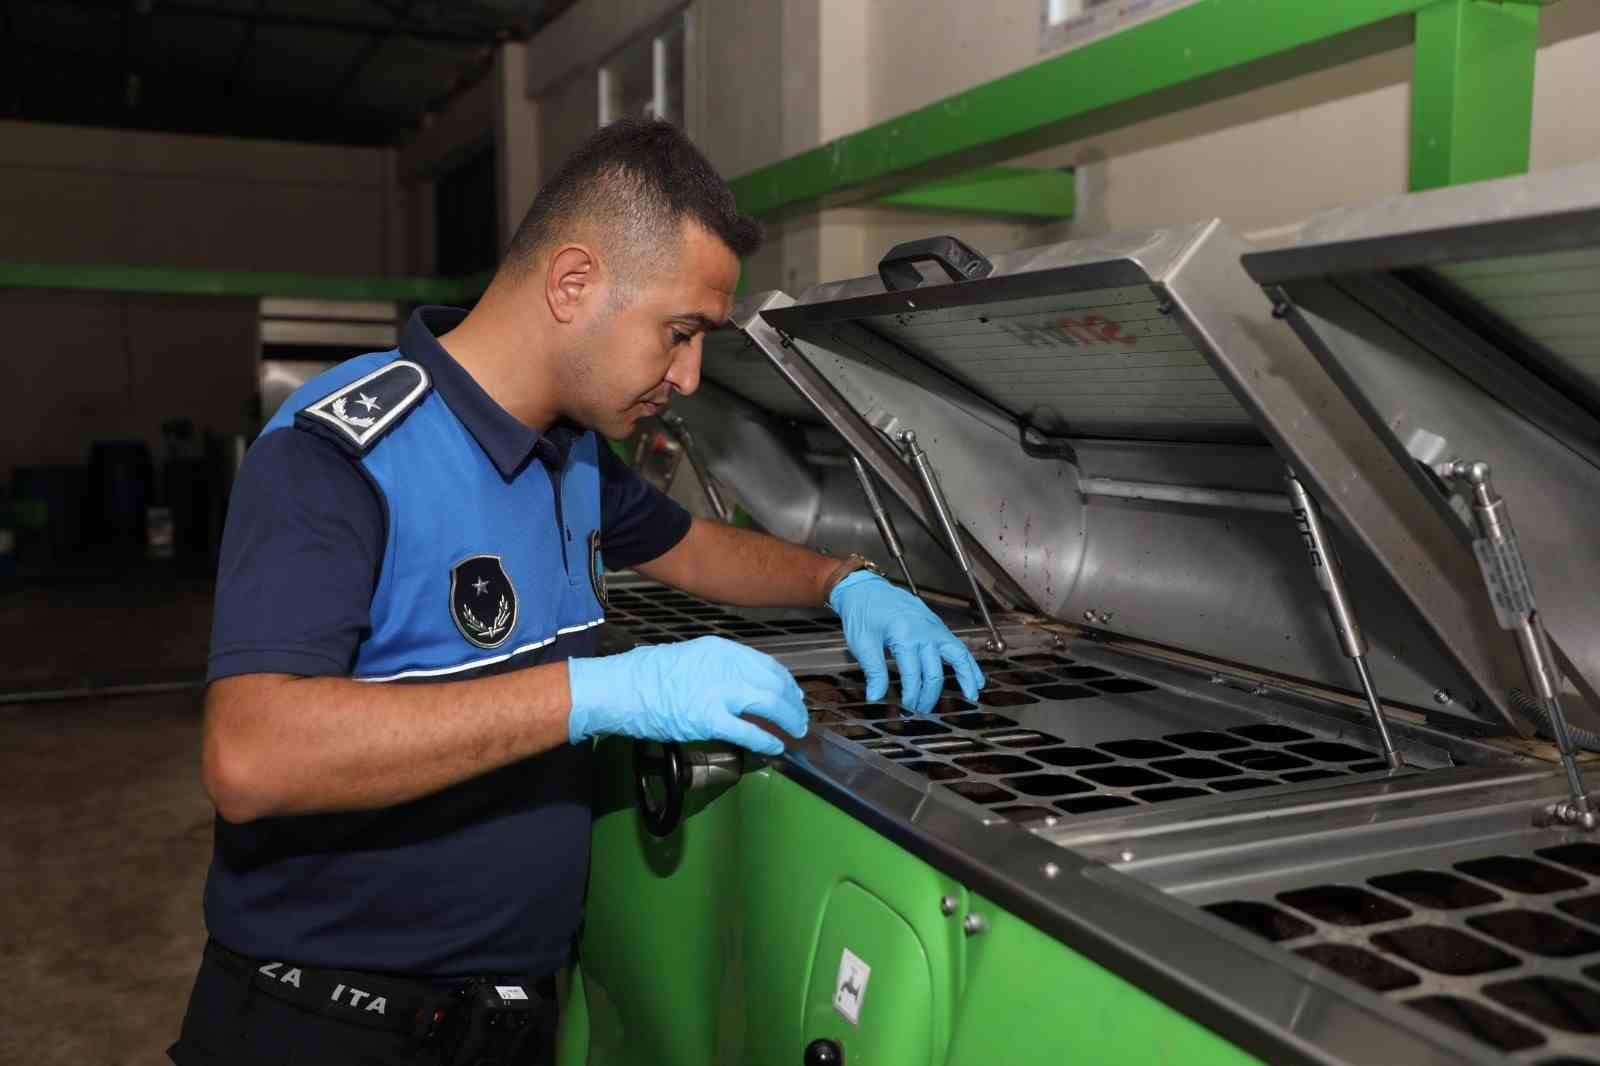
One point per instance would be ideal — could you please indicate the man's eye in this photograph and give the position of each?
(680, 337)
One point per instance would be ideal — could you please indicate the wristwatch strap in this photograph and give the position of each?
(847, 566)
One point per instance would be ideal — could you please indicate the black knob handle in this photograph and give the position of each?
(824, 1052)
(666, 764)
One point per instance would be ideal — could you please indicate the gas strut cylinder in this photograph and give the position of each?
(880, 515)
(941, 508)
(1511, 594)
(680, 429)
(1325, 565)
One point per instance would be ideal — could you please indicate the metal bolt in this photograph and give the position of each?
(973, 924)
(947, 905)
(1088, 616)
(1218, 679)
(1280, 303)
(1059, 643)
(1126, 856)
(1051, 869)
(1442, 697)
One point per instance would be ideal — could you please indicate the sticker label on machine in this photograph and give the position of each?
(850, 987)
(510, 992)
(1507, 579)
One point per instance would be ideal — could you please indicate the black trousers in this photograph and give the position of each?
(231, 1022)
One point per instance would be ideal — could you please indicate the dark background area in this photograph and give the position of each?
(359, 72)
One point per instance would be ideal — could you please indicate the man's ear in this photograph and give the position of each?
(571, 281)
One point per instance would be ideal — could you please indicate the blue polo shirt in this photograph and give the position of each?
(396, 525)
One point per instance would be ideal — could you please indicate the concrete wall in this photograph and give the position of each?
(86, 366)
(76, 195)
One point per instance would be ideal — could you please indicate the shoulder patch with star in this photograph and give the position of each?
(364, 410)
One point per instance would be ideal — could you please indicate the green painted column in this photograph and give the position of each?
(1472, 91)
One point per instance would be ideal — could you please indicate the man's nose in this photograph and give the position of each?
(684, 374)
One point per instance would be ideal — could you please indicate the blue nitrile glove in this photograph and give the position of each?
(875, 613)
(695, 690)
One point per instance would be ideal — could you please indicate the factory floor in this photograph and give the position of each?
(105, 832)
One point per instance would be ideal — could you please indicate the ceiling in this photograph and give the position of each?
(339, 71)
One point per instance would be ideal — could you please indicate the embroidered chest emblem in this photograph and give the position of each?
(483, 602)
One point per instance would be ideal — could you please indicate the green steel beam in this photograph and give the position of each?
(1010, 191)
(1159, 67)
(1472, 92)
(177, 281)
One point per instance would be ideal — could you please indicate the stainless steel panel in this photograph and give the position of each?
(1355, 472)
(1056, 360)
(796, 484)
(1551, 490)
(865, 440)
(1234, 586)
(1465, 318)
(1531, 214)
(732, 361)
(744, 448)
(1552, 300)
(994, 492)
(1074, 337)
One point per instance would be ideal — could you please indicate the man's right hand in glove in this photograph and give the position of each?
(701, 689)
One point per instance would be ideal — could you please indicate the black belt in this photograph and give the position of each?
(419, 1008)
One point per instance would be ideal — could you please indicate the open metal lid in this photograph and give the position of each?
(1075, 338)
(1465, 324)
(1112, 420)
(732, 362)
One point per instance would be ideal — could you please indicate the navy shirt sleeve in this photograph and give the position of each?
(301, 553)
(638, 522)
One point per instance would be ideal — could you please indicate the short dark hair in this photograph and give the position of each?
(636, 181)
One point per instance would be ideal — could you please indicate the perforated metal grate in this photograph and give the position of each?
(1503, 946)
(1028, 774)
(655, 614)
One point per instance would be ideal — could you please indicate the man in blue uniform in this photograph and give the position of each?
(403, 678)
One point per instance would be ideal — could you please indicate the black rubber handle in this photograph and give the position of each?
(670, 767)
(899, 270)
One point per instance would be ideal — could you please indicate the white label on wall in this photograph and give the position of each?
(511, 991)
(1070, 23)
(850, 988)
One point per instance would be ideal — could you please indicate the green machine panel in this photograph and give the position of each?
(723, 944)
(865, 947)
